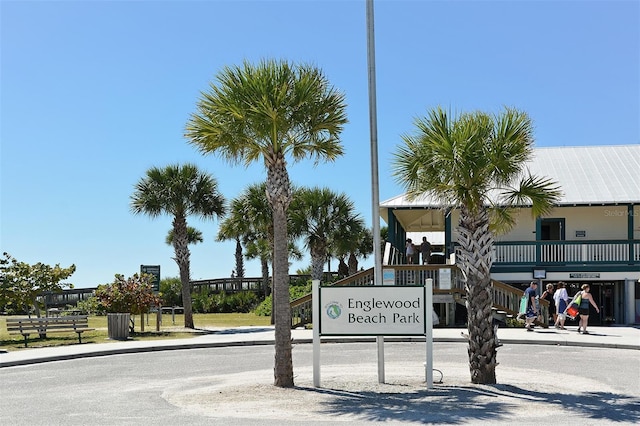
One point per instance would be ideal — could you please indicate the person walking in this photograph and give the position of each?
(532, 305)
(561, 298)
(586, 299)
(425, 250)
(548, 296)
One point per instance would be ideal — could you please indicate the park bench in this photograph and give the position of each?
(26, 326)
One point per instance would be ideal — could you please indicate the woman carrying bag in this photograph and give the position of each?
(561, 298)
(584, 299)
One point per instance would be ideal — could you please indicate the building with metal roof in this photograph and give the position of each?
(592, 235)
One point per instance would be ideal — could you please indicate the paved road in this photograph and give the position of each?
(538, 384)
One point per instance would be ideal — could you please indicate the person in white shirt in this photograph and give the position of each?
(561, 297)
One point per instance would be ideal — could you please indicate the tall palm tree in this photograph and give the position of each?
(476, 163)
(179, 191)
(323, 216)
(272, 112)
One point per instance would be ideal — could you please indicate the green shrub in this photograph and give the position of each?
(297, 289)
(201, 302)
(264, 308)
(90, 306)
(207, 303)
(244, 302)
(171, 291)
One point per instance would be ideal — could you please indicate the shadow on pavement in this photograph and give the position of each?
(464, 404)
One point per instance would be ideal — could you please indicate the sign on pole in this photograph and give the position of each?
(152, 270)
(378, 310)
(374, 311)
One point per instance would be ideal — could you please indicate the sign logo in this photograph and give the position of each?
(334, 310)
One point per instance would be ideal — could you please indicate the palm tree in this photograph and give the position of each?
(250, 222)
(179, 191)
(194, 236)
(270, 112)
(356, 241)
(476, 163)
(323, 216)
(362, 247)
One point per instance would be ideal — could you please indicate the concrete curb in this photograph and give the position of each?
(99, 350)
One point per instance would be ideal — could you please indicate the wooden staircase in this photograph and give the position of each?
(506, 298)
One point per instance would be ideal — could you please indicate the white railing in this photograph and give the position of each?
(567, 252)
(514, 254)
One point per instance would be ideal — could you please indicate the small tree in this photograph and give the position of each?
(21, 283)
(132, 295)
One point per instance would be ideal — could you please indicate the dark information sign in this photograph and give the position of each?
(152, 270)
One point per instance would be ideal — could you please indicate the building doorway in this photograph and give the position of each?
(552, 230)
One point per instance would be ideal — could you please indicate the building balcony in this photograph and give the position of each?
(595, 252)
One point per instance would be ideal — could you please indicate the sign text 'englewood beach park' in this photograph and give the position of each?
(389, 310)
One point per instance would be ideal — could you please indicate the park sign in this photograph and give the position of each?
(152, 270)
(372, 310)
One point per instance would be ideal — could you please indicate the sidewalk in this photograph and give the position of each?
(613, 337)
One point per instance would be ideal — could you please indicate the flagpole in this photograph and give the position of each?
(375, 197)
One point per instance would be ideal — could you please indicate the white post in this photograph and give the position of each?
(428, 316)
(315, 319)
(630, 297)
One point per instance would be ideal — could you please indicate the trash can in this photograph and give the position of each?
(118, 326)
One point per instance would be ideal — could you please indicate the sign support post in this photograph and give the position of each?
(315, 319)
(428, 318)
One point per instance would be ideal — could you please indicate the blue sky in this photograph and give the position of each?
(93, 93)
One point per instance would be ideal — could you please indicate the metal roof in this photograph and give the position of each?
(604, 175)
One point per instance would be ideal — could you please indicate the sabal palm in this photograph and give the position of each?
(194, 236)
(179, 191)
(362, 247)
(476, 163)
(323, 216)
(250, 219)
(355, 242)
(272, 112)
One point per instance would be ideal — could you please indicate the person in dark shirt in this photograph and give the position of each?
(425, 250)
(548, 296)
(532, 305)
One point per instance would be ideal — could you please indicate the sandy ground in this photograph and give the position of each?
(353, 394)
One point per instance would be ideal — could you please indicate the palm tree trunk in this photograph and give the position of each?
(475, 242)
(239, 260)
(181, 248)
(317, 261)
(279, 196)
(264, 263)
(353, 264)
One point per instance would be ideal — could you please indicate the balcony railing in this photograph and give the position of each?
(567, 252)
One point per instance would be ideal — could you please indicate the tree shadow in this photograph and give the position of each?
(464, 404)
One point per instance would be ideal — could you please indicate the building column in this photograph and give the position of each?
(630, 297)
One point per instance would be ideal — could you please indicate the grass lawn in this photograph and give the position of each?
(168, 330)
